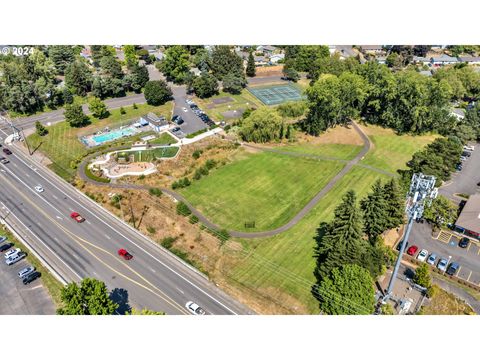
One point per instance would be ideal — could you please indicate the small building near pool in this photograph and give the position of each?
(468, 222)
(157, 123)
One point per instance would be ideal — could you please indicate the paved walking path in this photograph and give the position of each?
(314, 201)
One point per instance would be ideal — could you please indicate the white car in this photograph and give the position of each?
(194, 308)
(184, 109)
(12, 252)
(470, 148)
(25, 271)
(39, 188)
(422, 255)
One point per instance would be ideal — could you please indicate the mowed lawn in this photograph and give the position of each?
(281, 267)
(390, 151)
(340, 151)
(266, 188)
(62, 145)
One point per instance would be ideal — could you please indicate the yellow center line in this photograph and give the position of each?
(79, 239)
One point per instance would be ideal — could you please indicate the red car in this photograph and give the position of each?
(125, 254)
(76, 216)
(412, 250)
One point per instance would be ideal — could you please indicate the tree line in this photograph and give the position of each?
(350, 252)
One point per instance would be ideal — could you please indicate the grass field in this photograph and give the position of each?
(163, 139)
(62, 146)
(149, 155)
(341, 151)
(244, 100)
(444, 303)
(390, 151)
(281, 267)
(266, 188)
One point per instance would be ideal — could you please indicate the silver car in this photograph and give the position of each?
(431, 259)
(26, 271)
(442, 264)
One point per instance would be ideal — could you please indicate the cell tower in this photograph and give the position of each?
(422, 192)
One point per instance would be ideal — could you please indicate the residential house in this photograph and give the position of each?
(443, 60)
(421, 60)
(345, 51)
(156, 123)
(458, 113)
(260, 60)
(381, 60)
(372, 49)
(266, 49)
(274, 59)
(470, 60)
(468, 223)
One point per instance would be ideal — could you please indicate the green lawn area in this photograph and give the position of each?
(265, 187)
(163, 139)
(341, 151)
(243, 100)
(149, 155)
(281, 267)
(63, 147)
(391, 151)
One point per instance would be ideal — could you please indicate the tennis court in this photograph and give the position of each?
(276, 94)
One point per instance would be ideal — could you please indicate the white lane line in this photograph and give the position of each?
(36, 287)
(153, 270)
(88, 222)
(108, 237)
(55, 197)
(180, 291)
(132, 242)
(59, 217)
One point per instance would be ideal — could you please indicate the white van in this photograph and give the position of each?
(15, 258)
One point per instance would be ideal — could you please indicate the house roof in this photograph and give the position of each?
(420, 59)
(444, 58)
(469, 58)
(458, 112)
(266, 47)
(371, 47)
(469, 218)
(154, 119)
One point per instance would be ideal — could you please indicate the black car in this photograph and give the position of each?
(466, 153)
(6, 151)
(464, 242)
(5, 247)
(452, 269)
(399, 246)
(30, 277)
(175, 129)
(175, 117)
(178, 121)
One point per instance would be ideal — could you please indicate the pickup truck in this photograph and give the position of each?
(76, 216)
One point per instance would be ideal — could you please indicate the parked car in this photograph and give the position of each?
(12, 252)
(26, 271)
(4, 160)
(5, 247)
(3, 238)
(466, 153)
(76, 216)
(194, 308)
(30, 277)
(16, 258)
(463, 158)
(125, 254)
(431, 259)
(184, 109)
(453, 268)
(399, 246)
(176, 129)
(442, 264)
(469, 147)
(422, 255)
(459, 167)
(6, 151)
(464, 242)
(412, 250)
(179, 120)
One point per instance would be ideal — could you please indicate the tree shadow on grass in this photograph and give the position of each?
(319, 255)
(120, 296)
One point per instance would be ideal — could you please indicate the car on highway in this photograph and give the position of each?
(39, 188)
(7, 151)
(26, 271)
(442, 264)
(399, 246)
(16, 258)
(422, 255)
(4, 160)
(464, 242)
(432, 258)
(453, 268)
(125, 254)
(412, 250)
(5, 247)
(194, 308)
(12, 252)
(76, 216)
(27, 279)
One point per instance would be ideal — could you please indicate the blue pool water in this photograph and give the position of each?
(112, 135)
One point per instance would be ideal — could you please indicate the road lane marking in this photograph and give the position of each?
(36, 287)
(59, 217)
(109, 215)
(180, 290)
(468, 279)
(153, 270)
(108, 237)
(55, 197)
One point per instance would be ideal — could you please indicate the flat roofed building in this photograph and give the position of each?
(468, 222)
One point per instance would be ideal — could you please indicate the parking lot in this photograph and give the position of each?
(19, 299)
(445, 245)
(192, 122)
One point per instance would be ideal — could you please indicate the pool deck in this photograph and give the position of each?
(89, 140)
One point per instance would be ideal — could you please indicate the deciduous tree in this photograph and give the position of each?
(157, 92)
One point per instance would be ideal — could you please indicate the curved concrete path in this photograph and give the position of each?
(250, 235)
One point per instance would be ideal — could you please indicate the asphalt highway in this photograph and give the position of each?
(153, 279)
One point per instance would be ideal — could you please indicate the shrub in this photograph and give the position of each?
(155, 192)
(210, 164)
(197, 175)
(183, 209)
(94, 177)
(122, 111)
(193, 219)
(292, 109)
(184, 182)
(196, 154)
(168, 242)
(135, 106)
(141, 177)
(151, 229)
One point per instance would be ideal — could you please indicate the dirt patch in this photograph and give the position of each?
(222, 100)
(233, 114)
(337, 135)
(390, 237)
(262, 71)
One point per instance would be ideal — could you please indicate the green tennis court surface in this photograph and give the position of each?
(276, 94)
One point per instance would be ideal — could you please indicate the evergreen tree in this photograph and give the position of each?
(78, 78)
(374, 208)
(62, 56)
(41, 130)
(394, 204)
(340, 242)
(250, 65)
(67, 96)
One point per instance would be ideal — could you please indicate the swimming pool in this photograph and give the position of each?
(113, 135)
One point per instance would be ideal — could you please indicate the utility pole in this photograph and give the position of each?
(422, 192)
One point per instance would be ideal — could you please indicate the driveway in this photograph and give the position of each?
(465, 181)
(19, 299)
(447, 245)
(192, 122)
